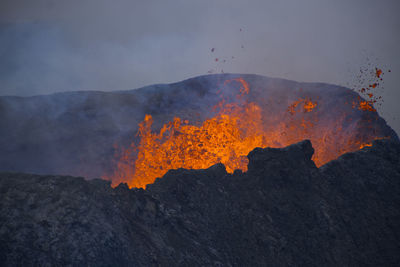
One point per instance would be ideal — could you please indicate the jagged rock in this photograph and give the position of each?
(295, 157)
(282, 212)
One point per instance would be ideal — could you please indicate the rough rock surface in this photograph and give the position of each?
(282, 212)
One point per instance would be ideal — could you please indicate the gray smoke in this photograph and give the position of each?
(50, 46)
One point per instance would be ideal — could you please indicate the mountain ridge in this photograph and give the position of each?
(283, 211)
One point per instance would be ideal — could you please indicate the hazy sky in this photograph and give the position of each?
(50, 46)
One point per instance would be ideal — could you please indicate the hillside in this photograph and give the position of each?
(282, 212)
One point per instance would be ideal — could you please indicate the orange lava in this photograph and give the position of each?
(365, 145)
(226, 138)
(235, 130)
(378, 72)
(374, 79)
(308, 105)
(374, 85)
(366, 105)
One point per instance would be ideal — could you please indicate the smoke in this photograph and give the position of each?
(38, 59)
(51, 46)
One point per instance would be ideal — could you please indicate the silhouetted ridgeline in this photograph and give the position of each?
(282, 212)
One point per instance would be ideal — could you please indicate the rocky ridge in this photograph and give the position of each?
(283, 211)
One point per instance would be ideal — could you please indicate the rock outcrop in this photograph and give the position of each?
(282, 212)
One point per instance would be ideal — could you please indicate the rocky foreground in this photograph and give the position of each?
(282, 212)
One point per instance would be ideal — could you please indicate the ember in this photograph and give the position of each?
(378, 72)
(308, 105)
(374, 77)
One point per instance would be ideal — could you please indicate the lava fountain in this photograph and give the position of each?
(237, 126)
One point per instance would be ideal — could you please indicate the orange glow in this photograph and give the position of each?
(365, 145)
(366, 105)
(235, 130)
(370, 143)
(308, 105)
(378, 72)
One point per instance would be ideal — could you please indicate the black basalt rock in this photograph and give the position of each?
(282, 212)
(289, 157)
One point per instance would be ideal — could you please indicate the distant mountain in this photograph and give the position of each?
(75, 133)
(282, 212)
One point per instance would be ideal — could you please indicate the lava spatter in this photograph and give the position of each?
(236, 128)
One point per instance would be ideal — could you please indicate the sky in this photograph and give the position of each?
(49, 46)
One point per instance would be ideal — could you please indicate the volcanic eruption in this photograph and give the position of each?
(349, 206)
(335, 120)
(137, 135)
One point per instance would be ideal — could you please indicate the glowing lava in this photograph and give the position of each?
(235, 130)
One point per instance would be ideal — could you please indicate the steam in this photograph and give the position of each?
(48, 47)
(39, 59)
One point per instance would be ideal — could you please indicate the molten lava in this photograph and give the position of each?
(308, 105)
(235, 130)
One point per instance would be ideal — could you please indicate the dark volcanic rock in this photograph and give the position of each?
(282, 212)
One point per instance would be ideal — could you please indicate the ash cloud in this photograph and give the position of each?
(51, 46)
